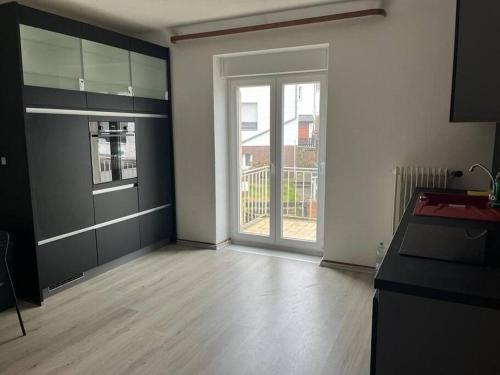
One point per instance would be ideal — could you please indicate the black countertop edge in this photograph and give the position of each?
(437, 294)
(437, 279)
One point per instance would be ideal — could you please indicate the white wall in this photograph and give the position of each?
(388, 104)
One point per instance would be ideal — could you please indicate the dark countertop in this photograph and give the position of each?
(470, 284)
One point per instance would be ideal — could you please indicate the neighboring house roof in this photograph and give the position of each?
(306, 118)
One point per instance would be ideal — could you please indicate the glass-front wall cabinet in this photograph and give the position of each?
(60, 61)
(50, 59)
(149, 76)
(106, 69)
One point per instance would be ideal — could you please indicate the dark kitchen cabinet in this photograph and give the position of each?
(416, 335)
(59, 153)
(476, 73)
(61, 73)
(50, 59)
(117, 240)
(66, 259)
(156, 226)
(116, 204)
(154, 162)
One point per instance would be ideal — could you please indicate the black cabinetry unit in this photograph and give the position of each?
(61, 78)
(432, 316)
(476, 73)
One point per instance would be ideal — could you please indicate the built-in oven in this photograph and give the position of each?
(113, 151)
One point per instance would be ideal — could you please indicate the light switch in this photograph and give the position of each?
(3, 160)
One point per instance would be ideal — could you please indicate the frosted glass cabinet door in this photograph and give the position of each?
(149, 76)
(106, 69)
(50, 59)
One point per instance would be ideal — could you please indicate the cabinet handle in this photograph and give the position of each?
(81, 84)
(477, 236)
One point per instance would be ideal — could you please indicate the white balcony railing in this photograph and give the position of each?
(299, 193)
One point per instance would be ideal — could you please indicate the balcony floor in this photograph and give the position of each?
(301, 229)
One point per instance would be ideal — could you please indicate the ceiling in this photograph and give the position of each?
(135, 16)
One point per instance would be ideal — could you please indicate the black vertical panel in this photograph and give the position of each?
(171, 121)
(496, 154)
(476, 79)
(61, 173)
(154, 163)
(15, 197)
(156, 226)
(373, 359)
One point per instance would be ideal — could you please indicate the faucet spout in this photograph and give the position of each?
(490, 175)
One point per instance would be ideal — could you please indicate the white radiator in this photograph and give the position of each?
(408, 179)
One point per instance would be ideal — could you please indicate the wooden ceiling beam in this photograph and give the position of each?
(276, 25)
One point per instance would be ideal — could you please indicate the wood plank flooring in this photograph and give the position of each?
(185, 311)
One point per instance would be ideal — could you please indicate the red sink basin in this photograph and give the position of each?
(456, 206)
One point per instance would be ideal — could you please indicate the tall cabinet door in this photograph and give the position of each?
(154, 164)
(59, 148)
(155, 181)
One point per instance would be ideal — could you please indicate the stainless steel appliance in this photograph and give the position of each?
(113, 151)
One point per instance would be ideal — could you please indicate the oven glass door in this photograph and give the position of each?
(113, 153)
(128, 162)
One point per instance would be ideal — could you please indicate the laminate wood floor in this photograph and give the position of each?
(184, 311)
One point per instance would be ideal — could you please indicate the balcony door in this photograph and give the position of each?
(277, 161)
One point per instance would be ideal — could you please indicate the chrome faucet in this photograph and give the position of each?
(490, 175)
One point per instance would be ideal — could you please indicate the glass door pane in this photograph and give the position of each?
(149, 76)
(254, 154)
(106, 69)
(50, 59)
(300, 160)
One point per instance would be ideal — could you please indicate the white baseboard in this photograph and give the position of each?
(346, 266)
(204, 245)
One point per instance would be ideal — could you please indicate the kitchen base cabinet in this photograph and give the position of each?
(117, 240)
(156, 226)
(67, 258)
(415, 335)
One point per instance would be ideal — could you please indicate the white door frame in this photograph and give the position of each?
(276, 83)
